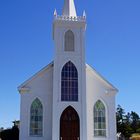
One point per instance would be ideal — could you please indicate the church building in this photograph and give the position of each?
(68, 99)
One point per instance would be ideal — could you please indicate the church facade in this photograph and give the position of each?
(68, 99)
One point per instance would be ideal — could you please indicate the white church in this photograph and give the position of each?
(68, 99)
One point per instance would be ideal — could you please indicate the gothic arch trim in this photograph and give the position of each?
(100, 99)
(100, 131)
(69, 124)
(67, 62)
(69, 82)
(69, 41)
(69, 106)
(36, 118)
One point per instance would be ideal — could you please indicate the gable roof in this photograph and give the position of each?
(35, 75)
(113, 88)
(23, 85)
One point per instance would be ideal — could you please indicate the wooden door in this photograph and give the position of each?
(69, 125)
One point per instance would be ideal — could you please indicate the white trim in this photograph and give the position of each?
(29, 120)
(63, 40)
(35, 75)
(106, 119)
(113, 88)
(59, 98)
(80, 128)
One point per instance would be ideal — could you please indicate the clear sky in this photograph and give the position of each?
(26, 45)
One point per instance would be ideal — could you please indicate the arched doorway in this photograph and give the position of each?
(69, 125)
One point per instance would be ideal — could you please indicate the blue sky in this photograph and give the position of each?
(26, 45)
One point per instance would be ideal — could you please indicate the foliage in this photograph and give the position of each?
(128, 123)
(10, 134)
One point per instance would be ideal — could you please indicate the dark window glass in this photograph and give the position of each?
(69, 83)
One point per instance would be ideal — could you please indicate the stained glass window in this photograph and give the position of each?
(36, 118)
(69, 82)
(99, 119)
(69, 41)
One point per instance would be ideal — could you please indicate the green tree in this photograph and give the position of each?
(10, 134)
(135, 121)
(128, 123)
(120, 114)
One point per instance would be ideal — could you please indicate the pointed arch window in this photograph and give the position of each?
(99, 119)
(69, 82)
(36, 118)
(69, 41)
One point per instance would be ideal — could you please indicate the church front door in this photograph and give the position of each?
(69, 125)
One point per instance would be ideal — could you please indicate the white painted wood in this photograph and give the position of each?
(46, 85)
(69, 8)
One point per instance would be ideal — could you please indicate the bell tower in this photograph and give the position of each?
(69, 77)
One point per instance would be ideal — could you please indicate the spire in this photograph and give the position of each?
(55, 13)
(69, 8)
(84, 14)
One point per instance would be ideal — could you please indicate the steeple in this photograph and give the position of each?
(69, 8)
